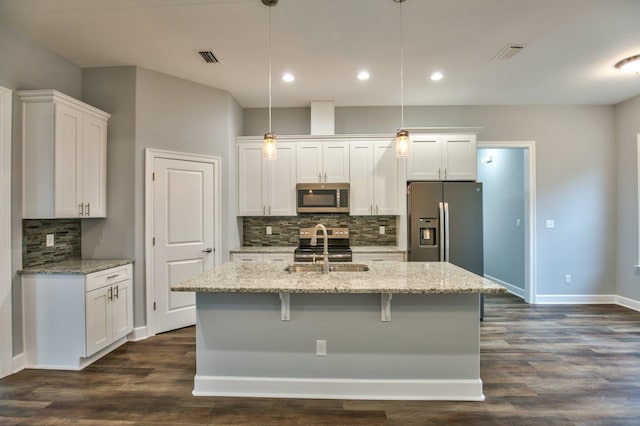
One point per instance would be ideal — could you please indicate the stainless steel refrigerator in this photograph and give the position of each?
(445, 223)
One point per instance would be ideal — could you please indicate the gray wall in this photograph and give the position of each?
(503, 204)
(627, 129)
(576, 176)
(24, 66)
(154, 110)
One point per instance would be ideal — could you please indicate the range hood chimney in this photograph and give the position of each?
(323, 118)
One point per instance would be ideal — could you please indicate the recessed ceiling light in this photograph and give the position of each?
(288, 77)
(629, 65)
(363, 75)
(437, 76)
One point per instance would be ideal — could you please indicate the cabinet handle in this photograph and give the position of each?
(110, 294)
(325, 176)
(264, 209)
(112, 276)
(87, 209)
(445, 174)
(269, 209)
(438, 173)
(207, 250)
(319, 177)
(80, 209)
(371, 208)
(376, 209)
(116, 292)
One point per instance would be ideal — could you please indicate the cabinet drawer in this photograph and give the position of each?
(378, 257)
(278, 257)
(108, 277)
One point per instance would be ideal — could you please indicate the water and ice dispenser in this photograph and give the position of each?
(428, 232)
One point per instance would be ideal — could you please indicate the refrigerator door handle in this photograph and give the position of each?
(446, 231)
(441, 242)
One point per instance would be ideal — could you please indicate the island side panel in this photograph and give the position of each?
(431, 337)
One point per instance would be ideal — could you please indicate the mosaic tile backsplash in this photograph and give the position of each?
(363, 230)
(34, 241)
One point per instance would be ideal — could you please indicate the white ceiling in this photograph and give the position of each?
(572, 46)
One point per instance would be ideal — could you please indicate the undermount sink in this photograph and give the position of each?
(334, 267)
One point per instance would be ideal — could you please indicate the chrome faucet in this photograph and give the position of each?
(314, 242)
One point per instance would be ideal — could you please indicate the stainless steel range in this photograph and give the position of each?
(337, 245)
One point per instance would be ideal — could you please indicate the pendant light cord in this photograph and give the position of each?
(269, 69)
(401, 72)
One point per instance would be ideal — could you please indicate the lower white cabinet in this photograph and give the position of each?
(378, 257)
(262, 257)
(71, 320)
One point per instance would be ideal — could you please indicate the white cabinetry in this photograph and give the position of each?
(374, 178)
(72, 320)
(378, 257)
(442, 157)
(262, 257)
(266, 187)
(322, 161)
(64, 156)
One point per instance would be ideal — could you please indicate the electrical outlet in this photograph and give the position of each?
(517, 223)
(321, 347)
(50, 240)
(382, 230)
(549, 223)
(567, 278)
(269, 230)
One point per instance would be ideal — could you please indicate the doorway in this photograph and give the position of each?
(6, 326)
(507, 170)
(182, 232)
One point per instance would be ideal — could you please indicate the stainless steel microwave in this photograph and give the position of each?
(322, 197)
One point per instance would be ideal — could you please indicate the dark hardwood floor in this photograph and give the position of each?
(541, 365)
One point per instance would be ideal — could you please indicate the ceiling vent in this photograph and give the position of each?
(208, 56)
(509, 51)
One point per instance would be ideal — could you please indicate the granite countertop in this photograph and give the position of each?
(290, 249)
(263, 249)
(382, 277)
(75, 266)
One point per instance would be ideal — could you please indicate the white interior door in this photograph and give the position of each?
(183, 224)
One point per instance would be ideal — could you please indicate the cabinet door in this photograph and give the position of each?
(122, 309)
(459, 157)
(68, 160)
(425, 160)
(281, 181)
(98, 316)
(335, 162)
(361, 188)
(250, 180)
(309, 162)
(94, 167)
(385, 178)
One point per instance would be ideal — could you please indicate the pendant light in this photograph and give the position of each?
(402, 136)
(269, 150)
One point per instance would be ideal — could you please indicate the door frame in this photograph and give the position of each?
(150, 156)
(530, 210)
(6, 310)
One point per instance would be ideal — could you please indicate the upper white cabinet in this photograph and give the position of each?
(374, 178)
(266, 187)
(322, 161)
(442, 157)
(64, 156)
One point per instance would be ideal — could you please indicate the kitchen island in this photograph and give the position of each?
(397, 331)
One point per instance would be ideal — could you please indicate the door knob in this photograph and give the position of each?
(207, 250)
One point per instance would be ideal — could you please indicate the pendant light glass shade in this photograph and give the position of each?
(402, 143)
(269, 150)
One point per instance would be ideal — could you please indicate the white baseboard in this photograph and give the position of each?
(510, 287)
(320, 388)
(628, 303)
(138, 333)
(19, 362)
(575, 299)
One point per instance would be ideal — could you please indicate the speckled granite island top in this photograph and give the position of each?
(382, 277)
(76, 266)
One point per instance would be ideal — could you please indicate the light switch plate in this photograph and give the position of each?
(50, 240)
(549, 223)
